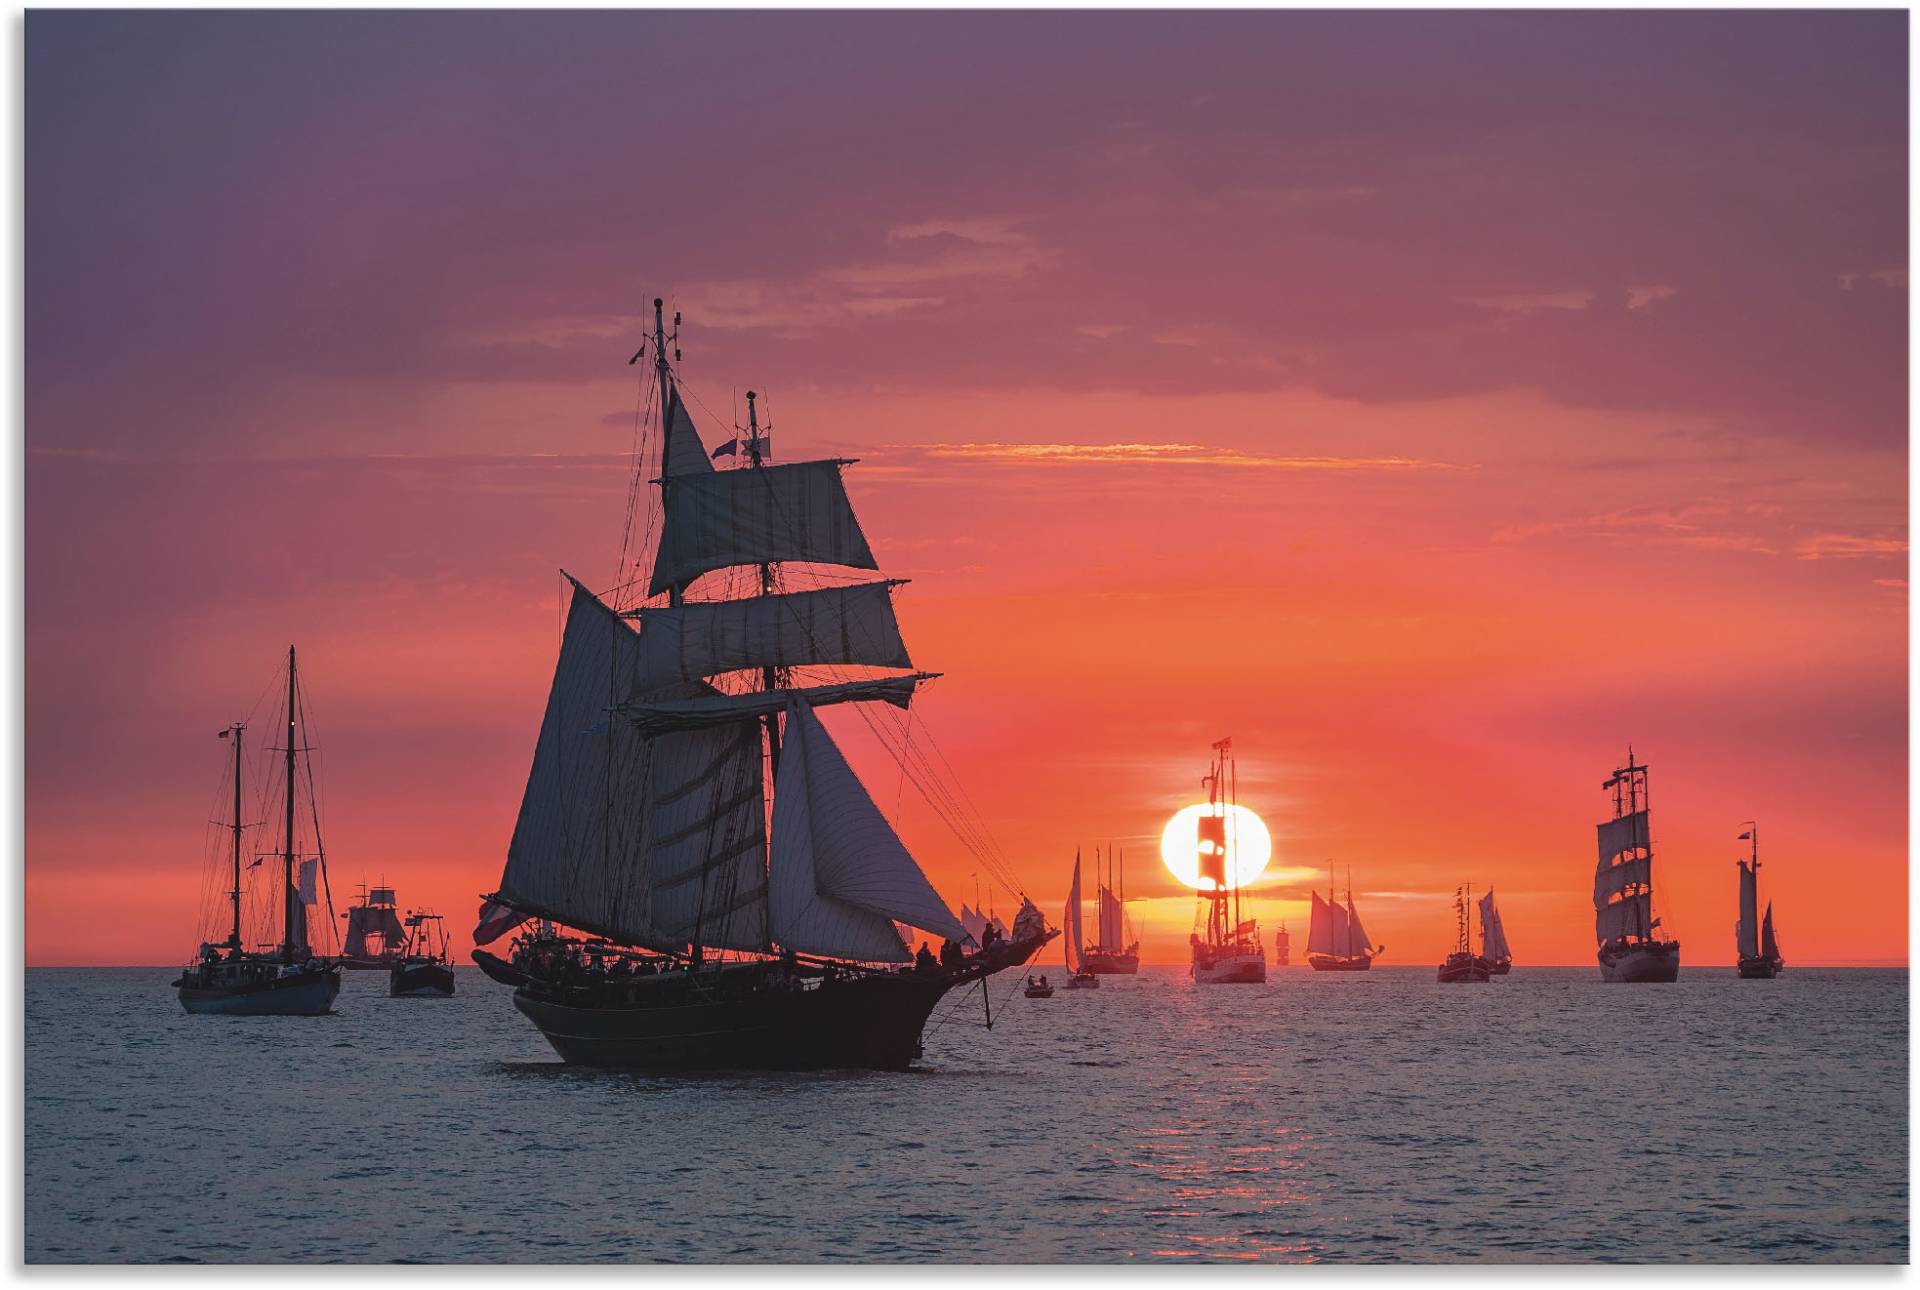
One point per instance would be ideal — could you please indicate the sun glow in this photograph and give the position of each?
(1249, 846)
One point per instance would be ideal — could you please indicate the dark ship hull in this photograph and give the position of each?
(1500, 967)
(304, 994)
(420, 980)
(1103, 963)
(1340, 962)
(1466, 968)
(1640, 961)
(1760, 969)
(756, 1016)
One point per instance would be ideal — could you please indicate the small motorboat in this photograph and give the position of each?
(1039, 989)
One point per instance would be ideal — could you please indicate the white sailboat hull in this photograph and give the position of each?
(1657, 961)
(1231, 969)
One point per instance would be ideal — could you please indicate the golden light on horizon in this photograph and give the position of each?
(1249, 846)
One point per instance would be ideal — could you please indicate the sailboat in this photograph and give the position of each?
(1282, 947)
(1231, 953)
(1493, 938)
(1463, 965)
(1114, 951)
(424, 969)
(1632, 948)
(1079, 975)
(1336, 942)
(724, 934)
(375, 939)
(288, 979)
(1759, 954)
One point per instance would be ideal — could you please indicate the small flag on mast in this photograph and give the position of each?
(727, 449)
(496, 920)
(1743, 837)
(223, 734)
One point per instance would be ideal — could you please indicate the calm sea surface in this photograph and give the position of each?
(1546, 1117)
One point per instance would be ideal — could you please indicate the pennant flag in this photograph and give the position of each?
(727, 449)
(223, 734)
(496, 920)
(1743, 837)
(309, 882)
(256, 863)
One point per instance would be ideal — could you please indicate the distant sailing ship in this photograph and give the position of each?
(375, 939)
(424, 969)
(289, 979)
(722, 933)
(1115, 951)
(1623, 918)
(1336, 942)
(1759, 956)
(1282, 947)
(1463, 965)
(1493, 938)
(1230, 953)
(1079, 975)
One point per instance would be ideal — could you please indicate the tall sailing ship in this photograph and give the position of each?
(1115, 951)
(1463, 965)
(1759, 952)
(376, 940)
(1632, 947)
(1493, 938)
(1283, 947)
(1230, 953)
(680, 919)
(1336, 942)
(287, 979)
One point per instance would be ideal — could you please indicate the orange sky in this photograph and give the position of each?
(1433, 445)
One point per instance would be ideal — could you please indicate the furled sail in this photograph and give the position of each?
(1493, 932)
(1747, 931)
(578, 843)
(1357, 941)
(706, 837)
(1610, 880)
(833, 625)
(683, 453)
(656, 715)
(840, 876)
(1627, 833)
(1768, 945)
(758, 516)
(1631, 916)
(1076, 951)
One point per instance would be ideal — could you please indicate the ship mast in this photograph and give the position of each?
(234, 940)
(291, 893)
(769, 676)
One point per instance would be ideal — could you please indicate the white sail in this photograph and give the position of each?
(1768, 945)
(833, 625)
(1493, 932)
(1627, 833)
(706, 837)
(840, 876)
(1000, 928)
(1112, 935)
(683, 453)
(976, 924)
(1327, 933)
(656, 714)
(1628, 917)
(757, 516)
(1610, 880)
(578, 843)
(1356, 934)
(1076, 949)
(1746, 932)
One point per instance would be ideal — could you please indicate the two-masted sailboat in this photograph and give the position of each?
(1493, 938)
(424, 968)
(1115, 951)
(1079, 975)
(1759, 952)
(1463, 965)
(1632, 948)
(288, 979)
(1336, 942)
(1230, 953)
(375, 939)
(726, 932)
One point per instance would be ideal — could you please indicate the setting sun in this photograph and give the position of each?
(1248, 846)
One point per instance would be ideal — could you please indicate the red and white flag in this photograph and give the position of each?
(496, 920)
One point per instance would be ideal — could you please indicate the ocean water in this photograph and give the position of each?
(1344, 1118)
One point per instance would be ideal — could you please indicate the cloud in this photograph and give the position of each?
(1848, 546)
(1158, 454)
(1533, 302)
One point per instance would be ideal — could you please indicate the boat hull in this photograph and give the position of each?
(1340, 962)
(1039, 992)
(311, 994)
(1231, 969)
(1500, 967)
(369, 965)
(1464, 968)
(1083, 981)
(420, 981)
(1104, 964)
(1644, 962)
(1760, 969)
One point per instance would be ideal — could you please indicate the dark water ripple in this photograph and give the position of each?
(1372, 1118)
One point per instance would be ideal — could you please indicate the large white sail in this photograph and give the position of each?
(578, 842)
(1610, 880)
(1112, 933)
(1747, 931)
(1328, 932)
(1356, 935)
(975, 922)
(1631, 916)
(706, 848)
(840, 877)
(832, 625)
(1627, 833)
(656, 714)
(683, 453)
(765, 515)
(1076, 948)
(1493, 932)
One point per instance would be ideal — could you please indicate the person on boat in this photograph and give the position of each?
(924, 960)
(951, 955)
